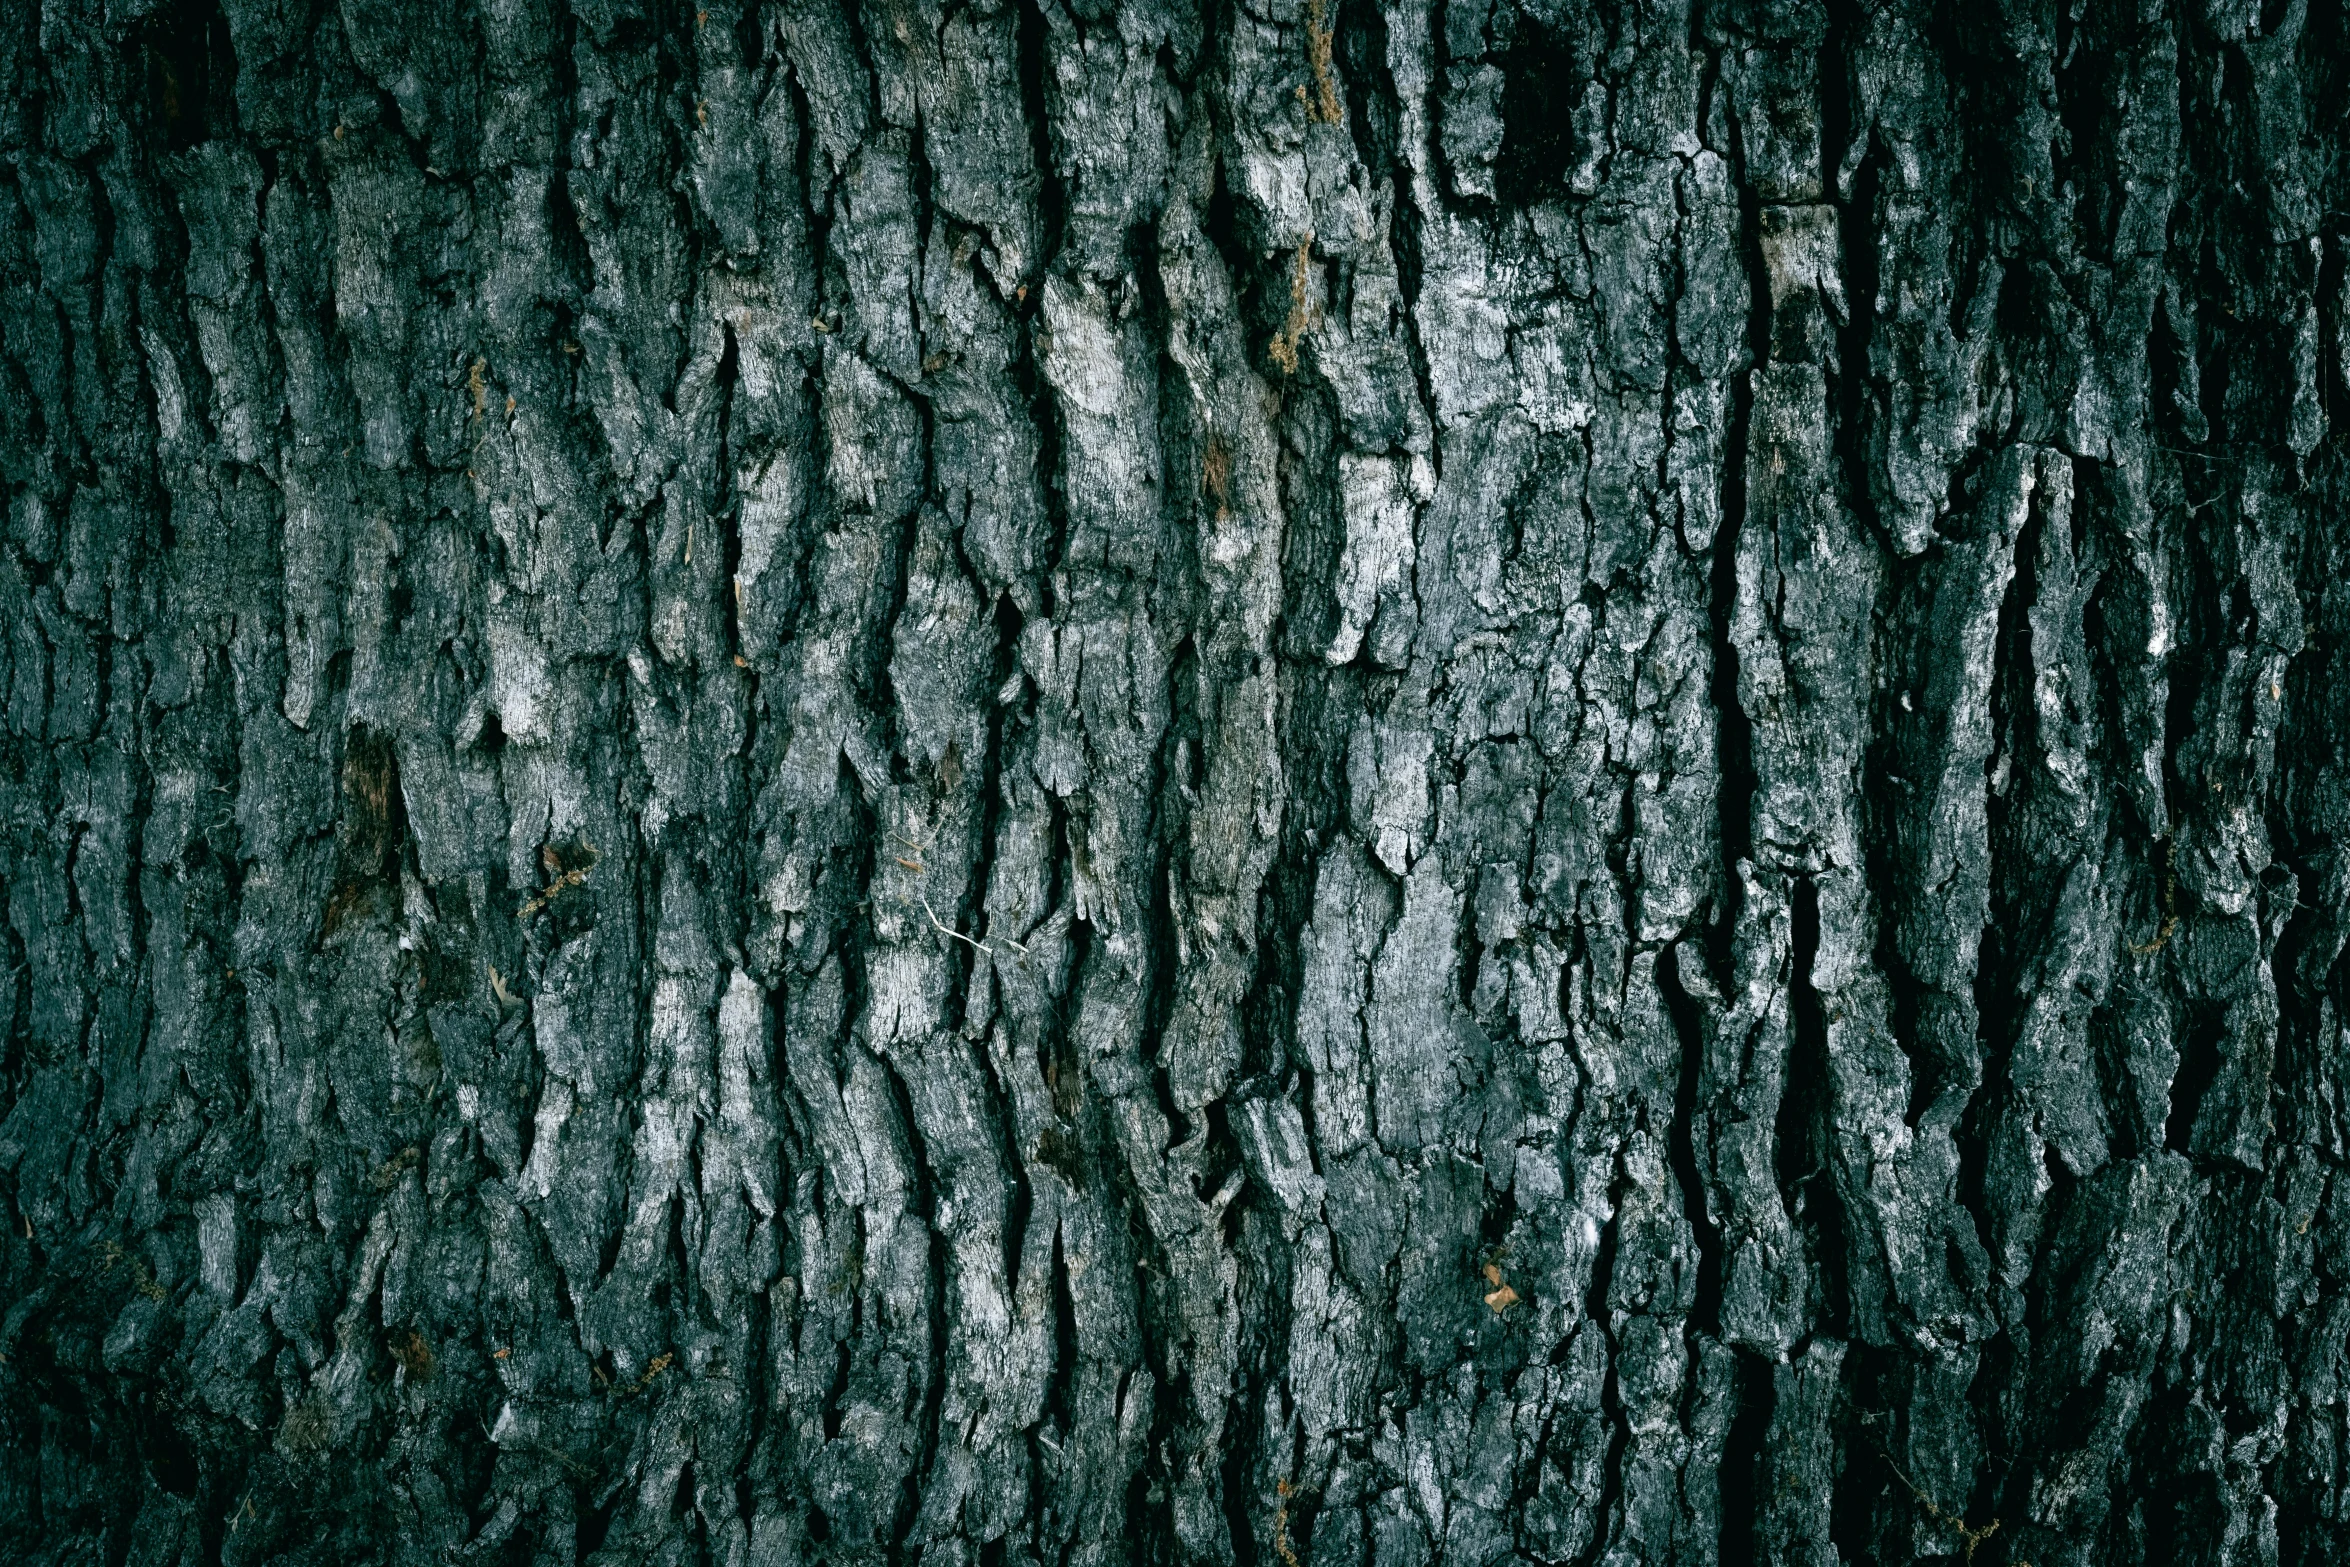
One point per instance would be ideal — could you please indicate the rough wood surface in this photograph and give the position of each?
(1061, 782)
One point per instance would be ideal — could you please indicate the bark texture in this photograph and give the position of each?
(1043, 781)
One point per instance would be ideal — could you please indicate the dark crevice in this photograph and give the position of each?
(1733, 730)
(2015, 887)
(1872, 1392)
(1052, 202)
(1061, 1381)
(1856, 396)
(1169, 831)
(1607, 1508)
(1540, 88)
(1805, 1126)
(1755, 1389)
(1371, 111)
(2202, 1048)
(191, 71)
(1705, 1312)
(1233, 1479)
(926, 1200)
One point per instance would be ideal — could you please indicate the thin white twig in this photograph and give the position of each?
(949, 930)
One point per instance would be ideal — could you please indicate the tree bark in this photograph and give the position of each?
(1037, 781)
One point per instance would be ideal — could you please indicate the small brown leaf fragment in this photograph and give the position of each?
(1305, 313)
(1502, 1297)
(415, 1356)
(1324, 104)
(1281, 1546)
(387, 1175)
(559, 883)
(1216, 473)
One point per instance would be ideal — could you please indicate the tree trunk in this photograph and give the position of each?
(1060, 782)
